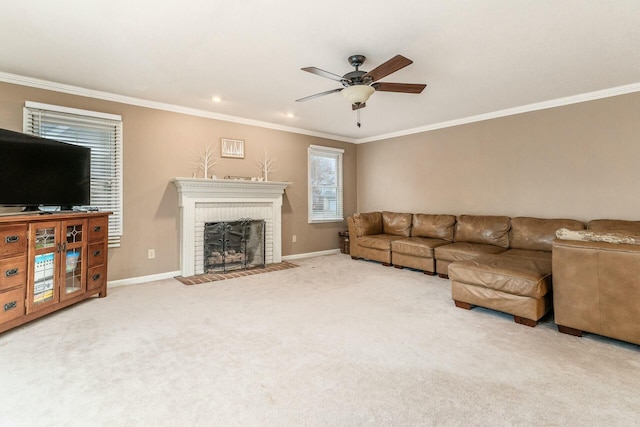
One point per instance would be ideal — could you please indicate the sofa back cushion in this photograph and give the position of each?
(614, 225)
(537, 234)
(484, 229)
(368, 223)
(396, 224)
(433, 226)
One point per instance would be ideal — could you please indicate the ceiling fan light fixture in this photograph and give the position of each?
(358, 94)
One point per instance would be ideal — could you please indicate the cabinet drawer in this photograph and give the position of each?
(98, 228)
(97, 254)
(13, 272)
(11, 304)
(13, 239)
(96, 277)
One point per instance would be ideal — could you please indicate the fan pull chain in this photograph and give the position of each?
(358, 118)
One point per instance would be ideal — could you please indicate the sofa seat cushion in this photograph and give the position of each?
(380, 242)
(512, 275)
(416, 246)
(460, 251)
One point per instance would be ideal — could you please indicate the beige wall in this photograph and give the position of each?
(579, 161)
(160, 145)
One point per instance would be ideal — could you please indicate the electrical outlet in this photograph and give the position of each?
(151, 253)
(293, 239)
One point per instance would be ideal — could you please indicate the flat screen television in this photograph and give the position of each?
(42, 172)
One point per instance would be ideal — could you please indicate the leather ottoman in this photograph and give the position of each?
(519, 286)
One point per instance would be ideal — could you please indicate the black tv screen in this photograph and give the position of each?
(37, 171)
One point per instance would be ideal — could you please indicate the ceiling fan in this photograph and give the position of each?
(359, 85)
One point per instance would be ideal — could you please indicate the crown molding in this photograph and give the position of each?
(559, 102)
(107, 96)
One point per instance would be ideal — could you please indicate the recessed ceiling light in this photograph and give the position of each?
(290, 115)
(216, 99)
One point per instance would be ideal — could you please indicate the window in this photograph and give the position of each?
(103, 134)
(325, 184)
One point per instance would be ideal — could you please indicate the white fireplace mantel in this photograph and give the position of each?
(196, 192)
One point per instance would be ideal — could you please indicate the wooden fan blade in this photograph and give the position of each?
(323, 73)
(306, 98)
(391, 66)
(355, 107)
(399, 87)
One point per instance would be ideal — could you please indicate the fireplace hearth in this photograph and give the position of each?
(234, 245)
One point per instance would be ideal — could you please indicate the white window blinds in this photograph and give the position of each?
(325, 184)
(100, 132)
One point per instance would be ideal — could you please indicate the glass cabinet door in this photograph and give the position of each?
(58, 252)
(45, 242)
(73, 281)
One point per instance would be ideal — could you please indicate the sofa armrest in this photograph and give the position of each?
(614, 237)
(353, 237)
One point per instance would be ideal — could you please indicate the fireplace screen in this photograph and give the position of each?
(233, 245)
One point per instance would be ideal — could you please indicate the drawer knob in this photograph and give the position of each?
(97, 228)
(97, 253)
(96, 276)
(10, 305)
(11, 239)
(12, 272)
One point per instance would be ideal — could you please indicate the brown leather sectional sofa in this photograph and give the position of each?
(495, 262)
(432, 242)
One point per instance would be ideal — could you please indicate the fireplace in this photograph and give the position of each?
(202, 201)
(233, 245)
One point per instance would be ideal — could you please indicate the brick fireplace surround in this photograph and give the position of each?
(209, 200)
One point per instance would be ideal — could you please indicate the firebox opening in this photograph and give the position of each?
(234, 245)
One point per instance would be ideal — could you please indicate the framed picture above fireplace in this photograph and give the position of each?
(233, 148)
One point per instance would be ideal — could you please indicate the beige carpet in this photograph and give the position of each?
(335, 342)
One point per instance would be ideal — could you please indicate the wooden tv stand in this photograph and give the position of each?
(49, 261)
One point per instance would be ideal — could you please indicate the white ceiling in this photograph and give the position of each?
(476, 57)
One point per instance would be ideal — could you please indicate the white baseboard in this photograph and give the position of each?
(311, 254)
(142, 279)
